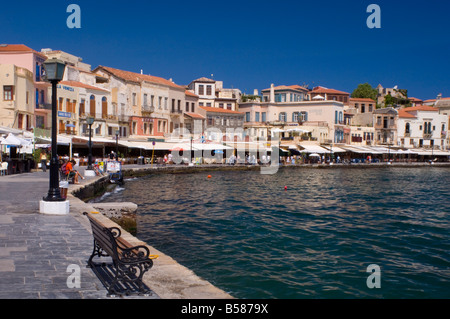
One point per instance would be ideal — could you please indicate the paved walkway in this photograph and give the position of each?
(39, 252)
(36, 250)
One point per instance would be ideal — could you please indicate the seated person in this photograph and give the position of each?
(73, 173)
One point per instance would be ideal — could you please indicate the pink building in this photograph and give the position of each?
(24, 57)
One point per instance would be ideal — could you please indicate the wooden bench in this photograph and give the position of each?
(129, 262)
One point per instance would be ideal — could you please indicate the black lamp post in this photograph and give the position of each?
(117, 145)
(190, 159)
(90, 121)
(54, 72)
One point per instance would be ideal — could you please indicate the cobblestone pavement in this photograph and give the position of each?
(38, 252)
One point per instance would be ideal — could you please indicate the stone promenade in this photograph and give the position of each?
(38, 252)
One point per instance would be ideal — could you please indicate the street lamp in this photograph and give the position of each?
(54, 73)
(190, 155)
(90, 120)
(53, 203)
(117, 145)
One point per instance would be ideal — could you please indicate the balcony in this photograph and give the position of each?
(176, 112)
(427, 135)
(147, 108)
(44, 106)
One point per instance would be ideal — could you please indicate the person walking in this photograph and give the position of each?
(43, 161)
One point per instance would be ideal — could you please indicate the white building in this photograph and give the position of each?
(422, 126)
(211, 93)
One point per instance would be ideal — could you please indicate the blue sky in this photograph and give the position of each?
(250, 44)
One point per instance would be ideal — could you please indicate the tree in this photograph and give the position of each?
(365, 91)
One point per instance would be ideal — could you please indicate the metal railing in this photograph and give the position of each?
(148, 108)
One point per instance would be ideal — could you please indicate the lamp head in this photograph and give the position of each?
(54, 69)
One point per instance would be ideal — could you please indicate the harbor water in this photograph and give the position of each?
(303, 233)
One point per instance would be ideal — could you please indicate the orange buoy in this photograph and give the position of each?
(209, 176)
(285, 187)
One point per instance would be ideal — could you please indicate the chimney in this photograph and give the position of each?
(439, 96)
(272, 94)
(142, 71)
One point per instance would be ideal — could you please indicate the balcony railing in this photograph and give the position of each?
(44, 106)
(148, 108)
(176, 111)
(427, 135)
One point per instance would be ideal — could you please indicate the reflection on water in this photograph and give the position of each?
(246, 234)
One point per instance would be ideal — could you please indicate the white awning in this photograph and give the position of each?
(354, 149)
(306, 148)
(335, 149)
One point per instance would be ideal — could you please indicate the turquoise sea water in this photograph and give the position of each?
(244, 233)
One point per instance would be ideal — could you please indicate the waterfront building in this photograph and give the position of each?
(79, 97)
(321, 93)
(17, 102)
(385, 125)
(153, 105)
(362, 110)
(422, 126)
(223, 124)
(211, 93)
(21, 86)
(295, 115)
(283, 94)
(443, 104)
(194, 116)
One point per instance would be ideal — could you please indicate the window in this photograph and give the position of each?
(247, 116)
(187, 106)
(152, 100)
(263, 117)
(257, 116)
(221, 105)
(208, 104)
(282, 117)
(295, 117)
(160, 102)
(229, 106)
(407, 128)
(208, 90)
(165, 102)
(192, 107)
(8, 93)
(145, 99)
(98, 130)
(303, 116)
(201, 89)
(134, 99)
